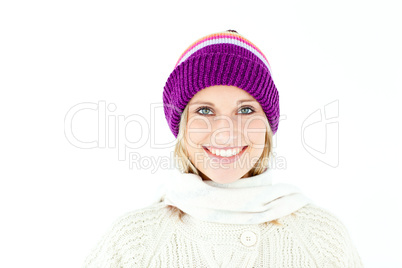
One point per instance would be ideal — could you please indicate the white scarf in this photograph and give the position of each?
(250, 200)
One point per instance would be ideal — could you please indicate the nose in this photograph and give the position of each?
(225, 131)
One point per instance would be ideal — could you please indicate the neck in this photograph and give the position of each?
(206, 178)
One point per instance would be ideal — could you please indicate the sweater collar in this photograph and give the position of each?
(250, 200)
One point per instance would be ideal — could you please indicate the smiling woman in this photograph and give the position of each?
(221, 207)
(206, 153)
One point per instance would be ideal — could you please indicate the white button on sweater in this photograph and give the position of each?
(248, 238)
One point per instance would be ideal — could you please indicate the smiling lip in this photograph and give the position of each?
(224, 148)
(226, 160)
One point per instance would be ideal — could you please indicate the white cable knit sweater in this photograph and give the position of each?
(151, 237)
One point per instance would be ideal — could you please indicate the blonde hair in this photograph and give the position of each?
(185, 165)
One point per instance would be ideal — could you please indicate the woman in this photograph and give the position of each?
(221, 208)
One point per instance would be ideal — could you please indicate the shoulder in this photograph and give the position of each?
(138, 222)
(324, 235)
(314, 214)
(129, 232)
(142, 217)
(313, 220)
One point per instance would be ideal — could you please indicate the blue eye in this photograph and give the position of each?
(203, 109)
(245, 108)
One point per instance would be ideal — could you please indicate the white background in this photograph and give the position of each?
(57, 199)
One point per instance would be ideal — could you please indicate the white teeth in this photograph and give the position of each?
(225, 153)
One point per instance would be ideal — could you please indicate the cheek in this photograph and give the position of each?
(255, 131)
(198, 130)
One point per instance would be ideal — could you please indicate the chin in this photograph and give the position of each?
(223, 176)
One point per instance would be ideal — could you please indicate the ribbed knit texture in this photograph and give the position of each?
(220, 59)
(151, 237)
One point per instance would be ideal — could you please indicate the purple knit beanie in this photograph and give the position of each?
(224, 58)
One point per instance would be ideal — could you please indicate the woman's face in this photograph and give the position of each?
(222, 118)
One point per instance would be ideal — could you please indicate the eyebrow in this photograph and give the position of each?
(211, 104)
